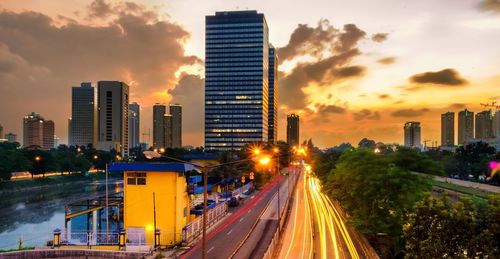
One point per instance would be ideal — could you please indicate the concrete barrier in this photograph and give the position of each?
(67, 253)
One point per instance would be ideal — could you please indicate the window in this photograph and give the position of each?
(134, 178)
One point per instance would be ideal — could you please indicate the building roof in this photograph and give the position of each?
(151, 167)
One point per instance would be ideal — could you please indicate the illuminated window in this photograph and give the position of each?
(136, 178)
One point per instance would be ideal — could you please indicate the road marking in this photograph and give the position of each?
(249, 211)
(242, 219)
(230, 231)
(209, 250)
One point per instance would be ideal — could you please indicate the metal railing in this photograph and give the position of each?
(195, 227)
(89, 238)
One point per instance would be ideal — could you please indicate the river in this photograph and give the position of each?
(32, 216)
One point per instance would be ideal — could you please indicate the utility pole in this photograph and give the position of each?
(205, 197)
(154, 217)
(107, 208)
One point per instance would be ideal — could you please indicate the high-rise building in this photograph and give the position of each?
(236, 79)
(273, 96)
(113, 100)
(412, 134)
(83, 115)
(484, 125)
(11, 137)
(168, 121)
(159, 111)
(38, 132)
(134, 124)
(292, 129)
(448, 129)
(465, 126)
(70, 132)
(496, 124)
(56, 141)
(48, 135)
(176, 131)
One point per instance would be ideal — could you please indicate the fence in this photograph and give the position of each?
(89, 238)
(194, 228)
(243, 189)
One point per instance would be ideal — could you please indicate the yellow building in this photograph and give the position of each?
(154, 188)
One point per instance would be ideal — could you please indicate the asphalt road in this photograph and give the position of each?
(317, 227)
(223, 241)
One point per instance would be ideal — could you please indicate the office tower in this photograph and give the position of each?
(48, 135)
(236, 79)
(134, 124)
(113, 116)
(83, 115)
(159, 110)
(448, 129)
(292, 129)
(56, 141)
(484, 125)
(176, 129)
(11, 137)
(412, 134)
(38, 132)
(168, 121)
(1, 131)
(70, 132)
(496, 124)
(465, 126)
(273, 96)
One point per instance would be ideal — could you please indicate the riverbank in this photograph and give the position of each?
(51, 182)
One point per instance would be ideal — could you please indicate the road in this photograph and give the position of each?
(223, 241)
(317, 227)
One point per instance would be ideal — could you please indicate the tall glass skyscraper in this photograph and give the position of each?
(273, 95)
(236, 79)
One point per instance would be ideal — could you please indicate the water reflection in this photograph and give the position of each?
(32, 216)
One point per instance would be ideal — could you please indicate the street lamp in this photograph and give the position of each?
(205, 170)
(38, 158)
(276, 152)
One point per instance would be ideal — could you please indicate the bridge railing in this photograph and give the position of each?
(195, 227)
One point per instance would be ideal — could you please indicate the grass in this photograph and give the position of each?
(476, 196)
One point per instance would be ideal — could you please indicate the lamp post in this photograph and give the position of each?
(205, 170)
(276, 151)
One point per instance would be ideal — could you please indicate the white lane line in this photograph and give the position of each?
(249, 211)
(242, 219)
(230, 231)
(209, 250)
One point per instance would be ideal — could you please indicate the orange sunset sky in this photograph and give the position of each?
(351, 69)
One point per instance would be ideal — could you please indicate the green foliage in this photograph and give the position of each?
(375, 192)
(440, 229)
(413, 160)
(474, 159)
(11, 160)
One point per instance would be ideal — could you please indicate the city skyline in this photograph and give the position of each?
(391, 73)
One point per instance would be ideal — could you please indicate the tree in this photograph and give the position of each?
(413, 160)
(438, 228)
(474, 159)
(367, 143)
(12, 160)
(375, 192)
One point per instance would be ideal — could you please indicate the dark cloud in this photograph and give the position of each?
(327, 109)
(99, 9)
(490, 6)
(38, 58)
(447, 77)
(379, 37)
(351, 71)
(308, 40)
(457, 106)
(387, 60)
(366, 114)
(409, 112)
(190, 92)
(349, 38)
(384, 96)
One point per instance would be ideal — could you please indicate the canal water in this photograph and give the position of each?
(32, 216)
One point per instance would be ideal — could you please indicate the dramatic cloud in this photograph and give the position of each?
(190, 92)
(409, 112)
(341, 48)
(384, 96)
(42, 60)
(379, 37)
(307, 40)
(448, 77)
(490, 5)
(387, 60)
(457, 106)
(366, 114)
(326, 109)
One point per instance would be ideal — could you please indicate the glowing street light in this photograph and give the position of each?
(162, 150)
(264, 160)
(38, 158)
(256, 151)
(96, 157)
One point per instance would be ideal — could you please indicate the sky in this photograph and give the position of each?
(350, 69)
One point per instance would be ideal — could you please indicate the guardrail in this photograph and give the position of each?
(195, 227)
(89, 238)
(271, 249)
